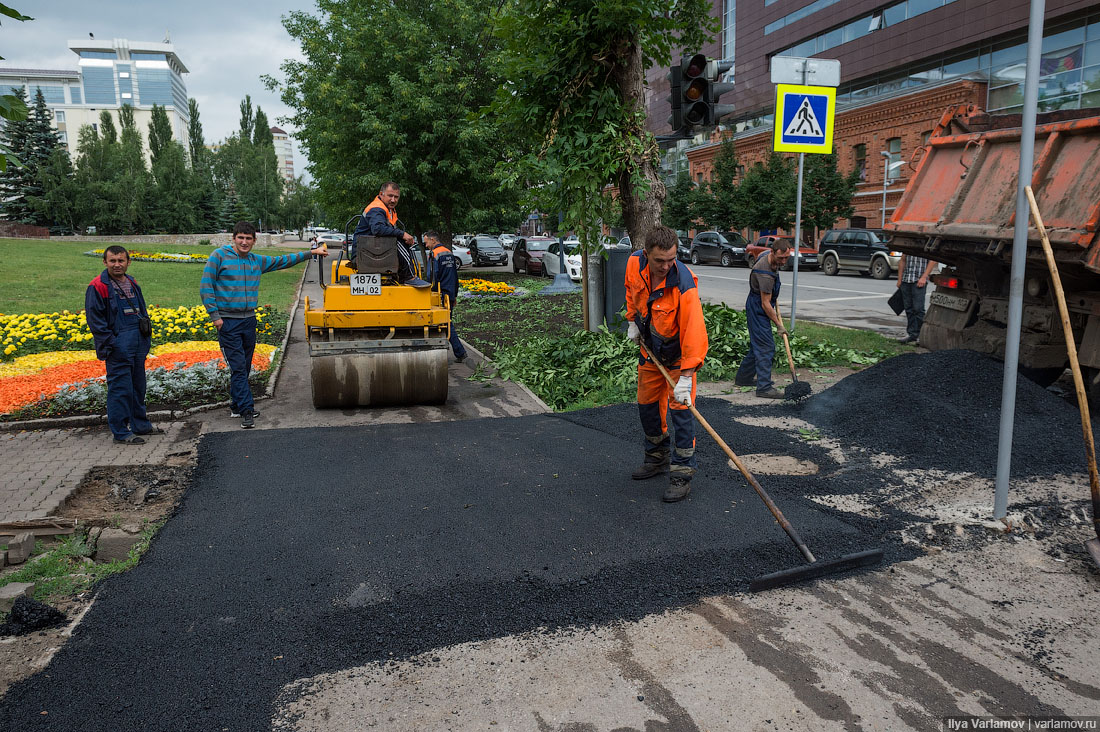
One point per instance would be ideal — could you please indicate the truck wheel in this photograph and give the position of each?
(829, 265)
(880, 268)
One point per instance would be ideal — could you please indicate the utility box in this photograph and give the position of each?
(614, 289)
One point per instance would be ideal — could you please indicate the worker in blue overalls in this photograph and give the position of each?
(443, 272)
(119, 321)
(760, 312)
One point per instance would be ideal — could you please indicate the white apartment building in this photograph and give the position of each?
(109, 74)
(285, 152)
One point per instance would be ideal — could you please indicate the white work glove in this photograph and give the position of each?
(682, 392)
(633, 333)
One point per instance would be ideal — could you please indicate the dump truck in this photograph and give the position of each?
(959, 209)
(372, 341)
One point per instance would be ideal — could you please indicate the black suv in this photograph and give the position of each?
(865, 250)
(724, 247)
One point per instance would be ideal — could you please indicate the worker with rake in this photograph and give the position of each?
(760, 312)
(666, 320)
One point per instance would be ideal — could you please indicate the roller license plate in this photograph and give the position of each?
(950, 301)
(366, 284)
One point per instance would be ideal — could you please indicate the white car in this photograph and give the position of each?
(507, 240)
(462, 256)
(333, 239)
(551, 261)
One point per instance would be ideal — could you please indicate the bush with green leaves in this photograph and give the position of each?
(590, 369)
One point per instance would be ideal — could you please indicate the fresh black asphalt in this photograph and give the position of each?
(303, 551)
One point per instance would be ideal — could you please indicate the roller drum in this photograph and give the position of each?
(384, 377)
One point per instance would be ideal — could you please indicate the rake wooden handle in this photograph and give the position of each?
(779, 517)
(787, 345)
(1074, 364)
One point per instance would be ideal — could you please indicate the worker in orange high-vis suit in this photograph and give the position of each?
(666, 317)
(380, 219)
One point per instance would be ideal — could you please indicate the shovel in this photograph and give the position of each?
(1093, 545)
(815, 568)
(796, 390)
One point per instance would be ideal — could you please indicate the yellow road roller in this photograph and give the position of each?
(374, 342)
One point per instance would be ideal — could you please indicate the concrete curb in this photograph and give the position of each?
(482, 359)
(165, 415)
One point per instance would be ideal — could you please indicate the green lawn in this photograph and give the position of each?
(47, 276)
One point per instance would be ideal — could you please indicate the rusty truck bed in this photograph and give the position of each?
(962, 199)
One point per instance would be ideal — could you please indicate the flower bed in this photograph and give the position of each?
(485, 287)
(137, 256)
(29, 333)
(68, 382)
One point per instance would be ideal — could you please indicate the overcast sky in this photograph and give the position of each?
(225, 44)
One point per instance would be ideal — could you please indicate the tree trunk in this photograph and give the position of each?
(641, 201)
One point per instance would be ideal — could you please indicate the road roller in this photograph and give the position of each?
(372, 341)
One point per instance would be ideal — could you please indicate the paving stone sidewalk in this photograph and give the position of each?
(41, 468)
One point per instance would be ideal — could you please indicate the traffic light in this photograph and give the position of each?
(676, 119)
(693, 90)
(716, 89)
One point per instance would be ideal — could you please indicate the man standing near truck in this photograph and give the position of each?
(913, 275)
(760, 312)
(442, 271)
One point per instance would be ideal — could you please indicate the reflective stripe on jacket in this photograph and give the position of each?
(378, 220)
(442, 270)
(669, 316)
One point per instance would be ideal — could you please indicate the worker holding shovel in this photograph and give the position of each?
(666, 320)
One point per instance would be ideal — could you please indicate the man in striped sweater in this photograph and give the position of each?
(230, 291)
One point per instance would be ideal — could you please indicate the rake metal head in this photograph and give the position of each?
(797, 391)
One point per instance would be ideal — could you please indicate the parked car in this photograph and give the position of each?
(723, 247)
(683, 248)
(865, 250)
(462, 240)
(462, 256)
(551, 261)
(334, 240)
(486, 250)
(528, 254)
(507, 240)
(624, 243)
(807, 256)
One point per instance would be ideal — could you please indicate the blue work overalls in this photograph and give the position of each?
(761, 341)
(125, 365)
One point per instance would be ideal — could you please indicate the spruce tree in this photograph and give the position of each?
(42, 140)
(58, 204)
(16, 179)
(232, 210)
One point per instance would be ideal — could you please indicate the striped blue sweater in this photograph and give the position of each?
(230, 286)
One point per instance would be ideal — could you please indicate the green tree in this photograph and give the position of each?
(232, 211)
(826, 194)
(97, 161)
(575, 97)
(205, 194)
(722, 207)
(388, 90)
(768, 192)
(682, 204)
(57, 204)
(131, 182)
(297, 209)
(172, 205)
(13, 108)
(261, 133)
(16, 179)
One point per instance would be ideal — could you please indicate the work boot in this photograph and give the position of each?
(649, 470)
(417, 283)
(771, 393)
(738, 381)
(678, 489)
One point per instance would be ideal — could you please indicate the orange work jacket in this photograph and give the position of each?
(669, 315)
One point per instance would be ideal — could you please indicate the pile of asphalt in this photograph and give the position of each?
(943, 409)
(29, 615)
(301, 552)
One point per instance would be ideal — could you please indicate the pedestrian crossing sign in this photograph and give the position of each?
(804, 118)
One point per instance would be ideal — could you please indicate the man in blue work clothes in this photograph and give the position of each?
(380, 219)
(760, 312)
(230, 291)
(119, 321)
(443, 271)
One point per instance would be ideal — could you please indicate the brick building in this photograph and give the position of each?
(903, 62)
(897, 126)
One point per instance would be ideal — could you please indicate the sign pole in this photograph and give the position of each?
(797, 237)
